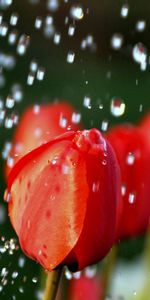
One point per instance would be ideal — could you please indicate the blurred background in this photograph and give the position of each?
(93, 54)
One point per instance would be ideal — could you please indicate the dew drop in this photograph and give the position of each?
(132, 197)
(4, 4)
(70, 57)
(90, 272)
(3, 29)
(30, 78)
(77, 275)
(87, 102)
(21, 262)
(34, 279)
(139, 54)
(68, 274)
(117, 107)
(23, 44)
(116, 41)
(124, 10)
(57, 38)
(52, 5)
(104, 126)
(95, 187)
(76, 12)
(63, 121)
(33, 66)
(71, 30)
(130, 158)
(76, 118)
(40, 73)
(38, 22)
(14, 275)
(12, 37)
(14, 19)
(17, 92)
(123, 189)
(140, 25)
(10, 102)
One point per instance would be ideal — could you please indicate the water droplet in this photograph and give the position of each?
(123, 189)
(30, 78)
(90, 272)
(8, 122)
(17, 92)
(3, 29)
(33, 66)
(21, 262)
(76, 118)
(117, 41)
(23, 44)
(71, 30)
(4, 4)
(68, 274)
(95, 187)
(77, 275)
(14, 275)
(38, 22)
(70, 57)
(87, 102)
(40, 73)
(83, 44)
(65, 169)
(10, 102)
(1, 18)
(140, 25)
(132, 197)
(104, 126)
(21, 289)
(36, 109)
(14, 19)
(12, 37)
(63, 121)
(34, 279)
(104, 162)
(117, 107)
(76, 12)
(139, 54)
(124, 10)
(57, 38)
(130, 158)
(53, 5)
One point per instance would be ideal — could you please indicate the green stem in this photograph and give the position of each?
(145, 292)
(108, 269)
(52, 283)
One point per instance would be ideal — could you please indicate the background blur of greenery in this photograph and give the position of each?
(88, 75)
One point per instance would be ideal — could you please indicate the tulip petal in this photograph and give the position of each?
(100, 222)
(47, 207)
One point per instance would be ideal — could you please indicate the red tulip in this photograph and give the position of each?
(63, 198)
(133, 156)
(86, 288)
(145, 127)
(38, 125)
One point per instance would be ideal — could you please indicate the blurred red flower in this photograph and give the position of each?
(38, 125)
(133, 155)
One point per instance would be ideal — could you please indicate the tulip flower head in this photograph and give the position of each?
(63, 200)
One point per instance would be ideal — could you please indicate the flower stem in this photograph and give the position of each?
(52, 283)
(109, 264)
